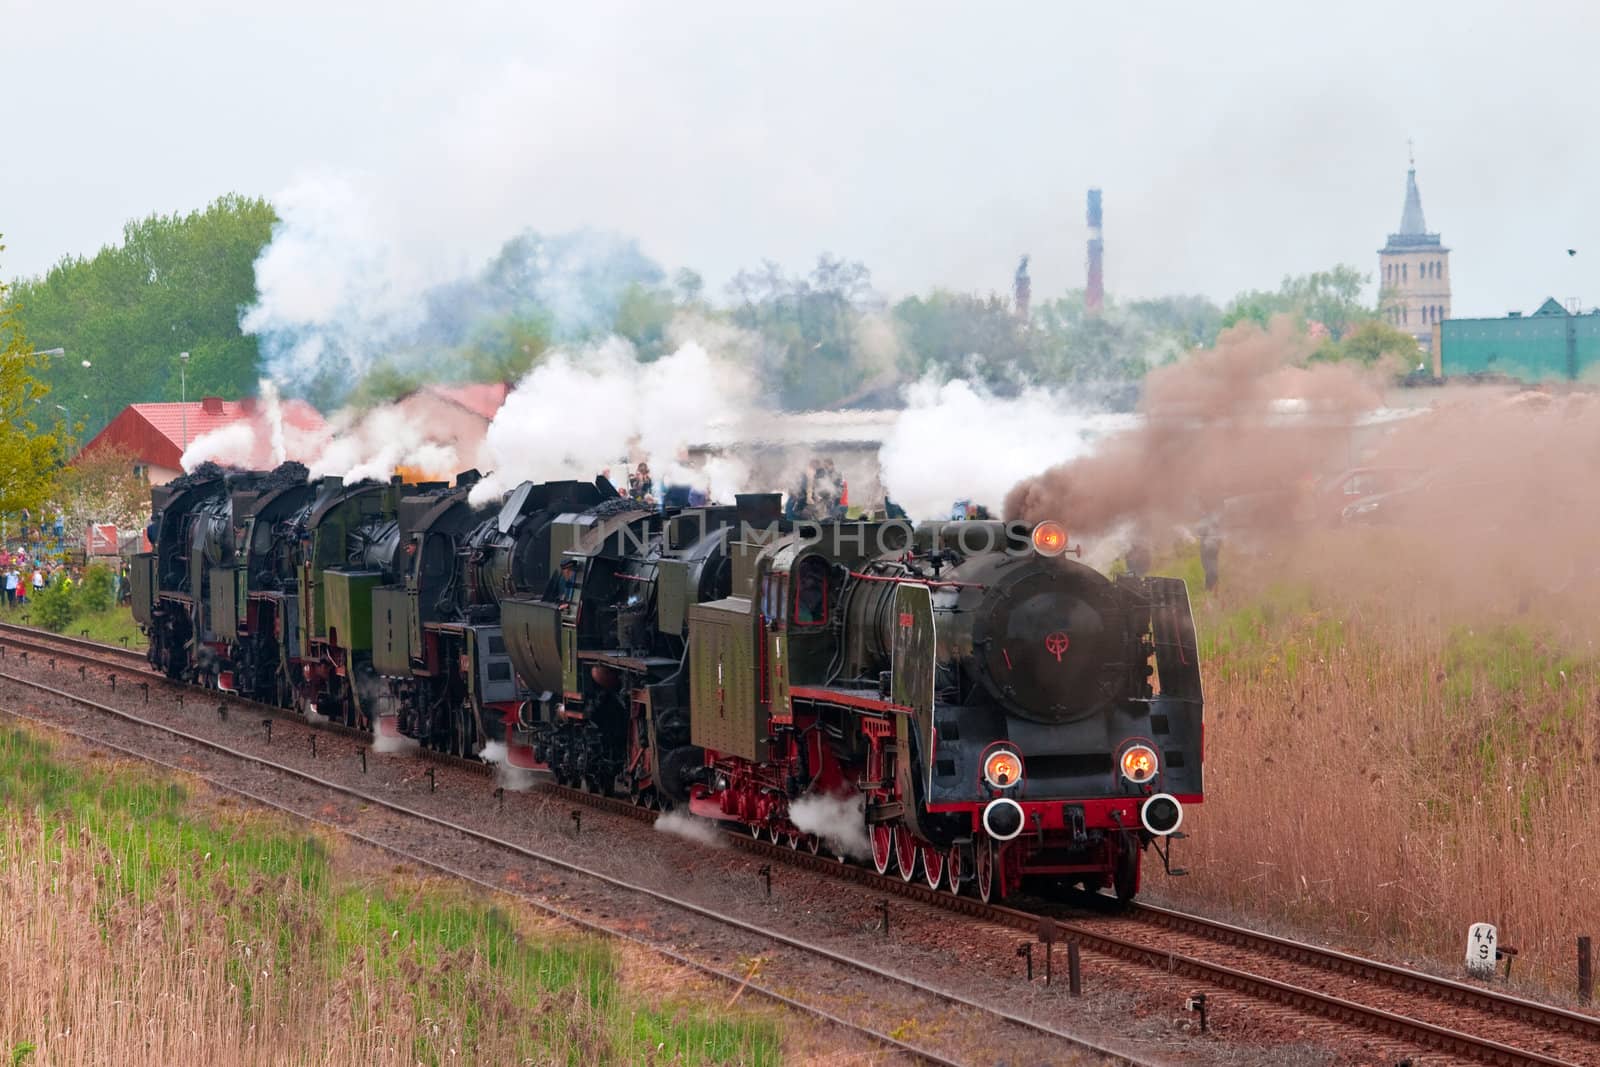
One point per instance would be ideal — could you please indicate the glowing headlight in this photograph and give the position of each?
(1050, 538)
(1139, 764)
(1002, 769)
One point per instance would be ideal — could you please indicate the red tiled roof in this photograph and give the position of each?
(155, 433)
(481, 398)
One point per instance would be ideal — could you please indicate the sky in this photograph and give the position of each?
(1235, 142)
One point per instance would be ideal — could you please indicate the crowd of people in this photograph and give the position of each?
(26, 575)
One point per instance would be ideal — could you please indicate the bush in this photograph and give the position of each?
(52, 607)
(94, 592)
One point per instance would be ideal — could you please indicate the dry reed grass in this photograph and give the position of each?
(1396, 749)
(142, 931)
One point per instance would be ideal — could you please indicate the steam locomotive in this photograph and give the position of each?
(964, 700)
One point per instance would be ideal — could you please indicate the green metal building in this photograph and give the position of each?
(1552, 344)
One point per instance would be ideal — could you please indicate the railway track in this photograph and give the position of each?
(995, 1017)
(1554, 1026)
(78, 648)
(1462, 1020)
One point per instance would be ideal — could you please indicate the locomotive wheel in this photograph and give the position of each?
(984, 860)
(793, 839)
(956, 872)
(905, 853)
(882, 847)
(932, 865)
(774, 834)
(813, 844)
(755, 830)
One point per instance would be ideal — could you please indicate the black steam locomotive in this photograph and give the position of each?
(959, 701)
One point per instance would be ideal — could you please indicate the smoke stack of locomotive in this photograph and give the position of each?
(1094, 294)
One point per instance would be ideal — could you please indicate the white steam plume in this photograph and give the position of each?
(333, 291)
(839, 821)
(372, 444)
(262, 437)
(578, 413)
(700, 831)
(353, 280)
(957, 441)
(519, 779)
(233, 445)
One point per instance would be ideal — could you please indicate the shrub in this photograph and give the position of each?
(52, 607)
(93, 593)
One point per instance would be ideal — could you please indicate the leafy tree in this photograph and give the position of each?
(176, 283)
(1372, 343)
(27, 455)
(643, 317)
(958, 333)
(1331, 297)
(811, 355)
(100, 486)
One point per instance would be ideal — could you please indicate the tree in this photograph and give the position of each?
(643, 316)
(100, 486)
(1331, 297)
(1372, 343)
(176, 283)
(961, 334)
(27, 455)
(809, 328)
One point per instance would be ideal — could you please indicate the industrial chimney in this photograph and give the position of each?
(1094, 295)
(1022, 289)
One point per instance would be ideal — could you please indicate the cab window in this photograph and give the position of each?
(811, 592)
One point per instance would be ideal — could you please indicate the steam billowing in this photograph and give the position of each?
(1246, 417)
(578, 413)
(956, 440)
(266, 438)
(841, 822)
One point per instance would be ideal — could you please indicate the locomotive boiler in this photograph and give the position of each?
(958, 702)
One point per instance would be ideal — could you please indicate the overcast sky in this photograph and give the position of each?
(1235, 142)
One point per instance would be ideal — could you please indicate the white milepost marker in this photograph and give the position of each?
(1481, 941)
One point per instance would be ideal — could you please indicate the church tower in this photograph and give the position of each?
(1414, 272)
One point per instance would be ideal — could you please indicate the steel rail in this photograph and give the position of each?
(540, 905)
(1429, 1035)
(80, 645)
(1487, 1000)
(1558, 1020)
(841, 959)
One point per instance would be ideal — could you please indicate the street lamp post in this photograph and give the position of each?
(183, 395)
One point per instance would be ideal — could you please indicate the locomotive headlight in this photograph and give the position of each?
(1050, 538)
(1139, 764)
(1002, 769)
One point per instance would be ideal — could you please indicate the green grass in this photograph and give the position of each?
(109, 626)
(435, 954)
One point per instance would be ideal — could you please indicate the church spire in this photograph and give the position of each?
(1411, 222)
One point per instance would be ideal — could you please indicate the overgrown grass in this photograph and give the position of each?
(109, 626)
(142, 929)
(1390, 758)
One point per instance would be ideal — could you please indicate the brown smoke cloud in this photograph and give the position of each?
(1247, 417)
(1460, 504)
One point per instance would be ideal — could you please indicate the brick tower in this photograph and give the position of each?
(1414, 272)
